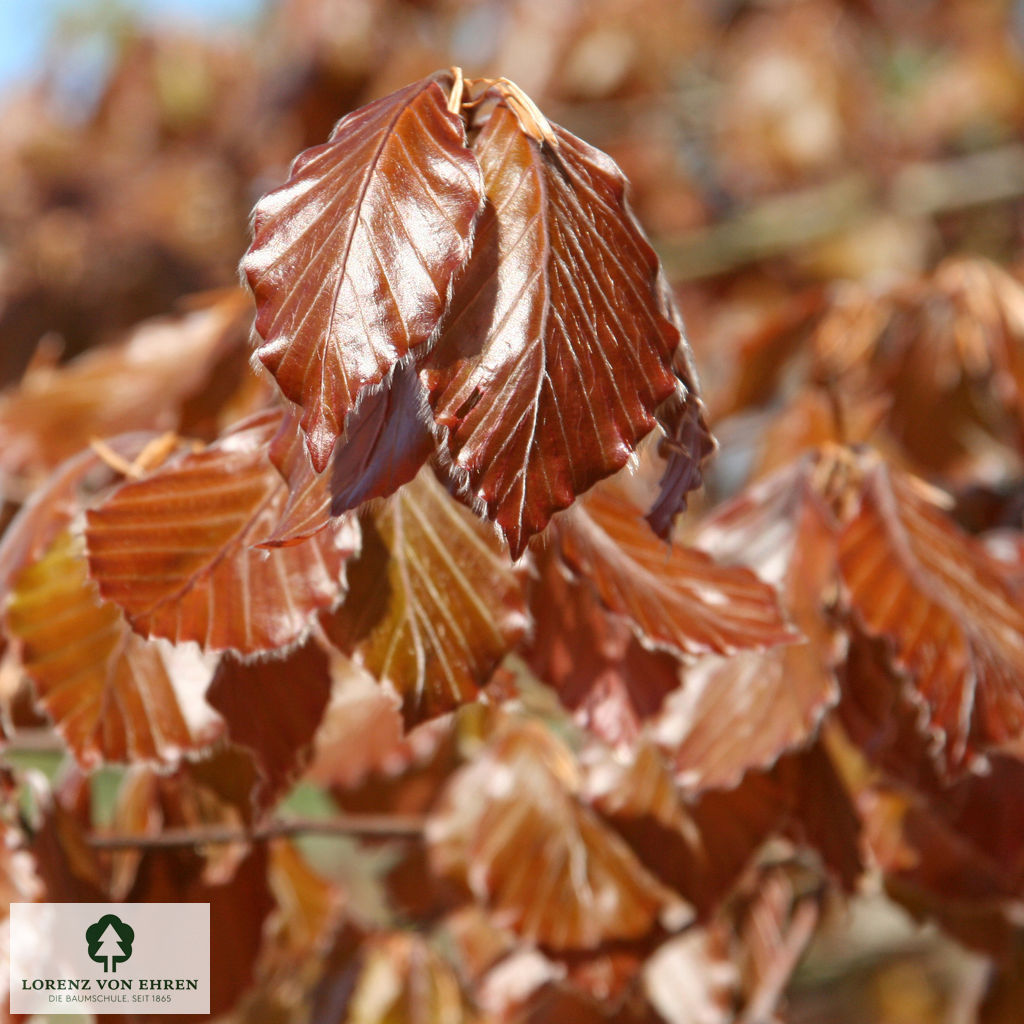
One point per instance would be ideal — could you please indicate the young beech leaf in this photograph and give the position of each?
(742, 711)
(939, 599)
(555, 352)
(580, 886)
(112, 695)
(176, 549)
(434, 602)
(676, 598)
(353, 257)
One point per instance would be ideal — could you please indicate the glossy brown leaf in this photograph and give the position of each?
(555, 353)
(112, 695)
(175, 550)
(579, 887)
(352, 259)
(742, 711)
(273, 707)
(936, 595)
(434, 602)
(675, 597)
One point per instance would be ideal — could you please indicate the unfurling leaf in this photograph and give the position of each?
(388, 440)
(937, 596)
(555, 353)
(353, 257)
(675, 597)
(579, 887)
(176, 550)
(434, 603)
(112, 695)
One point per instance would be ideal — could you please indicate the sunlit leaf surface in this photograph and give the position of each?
(555, 353)
(580, 885)
(435, 602)
(112, 695)
(175, 550)
(352, 258)
(674, 596)
(936, 595)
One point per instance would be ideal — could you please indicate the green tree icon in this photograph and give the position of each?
(110, 941)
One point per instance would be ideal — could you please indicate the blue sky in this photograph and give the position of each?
(26, 25)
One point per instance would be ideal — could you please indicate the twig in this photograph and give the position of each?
(784, 223)
(381, 826)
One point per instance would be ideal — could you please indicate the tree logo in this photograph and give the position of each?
(110, 941)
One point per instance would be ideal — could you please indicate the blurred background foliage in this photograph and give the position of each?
(774, 148)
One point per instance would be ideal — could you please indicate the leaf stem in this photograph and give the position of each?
(382, 826)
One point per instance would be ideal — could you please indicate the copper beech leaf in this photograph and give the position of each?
(580, 885)
(176, 550)
(742, 711)
(676, 598)
(592, 658)
(112, 695)
(555, 351)
(353, 257)
(943, 604)
(435, 602)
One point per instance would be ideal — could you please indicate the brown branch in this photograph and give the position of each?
(779, 225)
(379, 826)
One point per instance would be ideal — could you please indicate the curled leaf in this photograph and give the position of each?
(675, 597)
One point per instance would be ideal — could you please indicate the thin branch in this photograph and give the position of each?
(379, 826)
(779, 225)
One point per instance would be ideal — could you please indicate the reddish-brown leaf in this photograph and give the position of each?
(112, 695)
(675, 597)
(511, 827)
(592, 657)
(434, 602)
(352, 259)
(175, 550)
(555, 353)
(742, 711)
(273, 707)
(388, 439)
(955, 626)
(687, 441)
